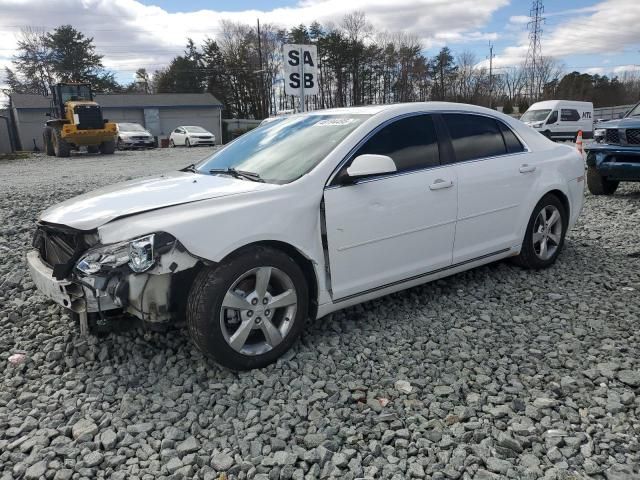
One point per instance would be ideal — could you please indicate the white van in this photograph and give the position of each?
(561, 119)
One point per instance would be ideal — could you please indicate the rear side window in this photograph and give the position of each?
(474, 136)
(569, 115)
(411, 142)
(510, 139)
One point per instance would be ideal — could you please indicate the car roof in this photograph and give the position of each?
(404, 108)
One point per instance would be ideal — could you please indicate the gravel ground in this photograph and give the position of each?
(493, 373)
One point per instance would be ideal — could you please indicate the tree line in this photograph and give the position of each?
(357, 65)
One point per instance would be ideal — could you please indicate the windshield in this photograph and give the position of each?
(283, 150)
(75, 93)
(195, 129)
(635, 111)
(535, 115)
(130, 127)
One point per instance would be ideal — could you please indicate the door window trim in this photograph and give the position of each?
(349, 156)
(444, 145)
(525, 147)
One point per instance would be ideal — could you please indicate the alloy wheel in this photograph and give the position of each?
(258, 310)
(547, 232)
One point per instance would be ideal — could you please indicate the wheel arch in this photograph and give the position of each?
(305, 264)
(563, 198)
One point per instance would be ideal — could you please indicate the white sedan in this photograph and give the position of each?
(191, 136)
(306, 215)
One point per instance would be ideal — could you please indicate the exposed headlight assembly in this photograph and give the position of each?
(137, 254)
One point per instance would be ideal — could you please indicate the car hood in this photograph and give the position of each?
(629, 122)
(93, 209)
(135, 133)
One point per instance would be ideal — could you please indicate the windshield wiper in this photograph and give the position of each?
(189, 168)
(254, 177)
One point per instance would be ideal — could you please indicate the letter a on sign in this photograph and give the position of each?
(300, 70)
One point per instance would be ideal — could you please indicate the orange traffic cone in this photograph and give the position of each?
(579, 142)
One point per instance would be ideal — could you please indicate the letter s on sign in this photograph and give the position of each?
(294, 58)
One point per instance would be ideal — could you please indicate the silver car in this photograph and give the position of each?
(134, 135)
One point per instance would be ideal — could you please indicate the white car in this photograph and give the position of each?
(307, 215)
(191, 136)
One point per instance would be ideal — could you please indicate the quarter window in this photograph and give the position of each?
(474, 136)
(411, 142)
(569, 115)
(510, 139)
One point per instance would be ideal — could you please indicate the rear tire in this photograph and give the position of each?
(48, 142)
(108, 148)
(172, 144)
(598, 184)
(227, 300)
(60, 147)
(544, 228)
(120, 145)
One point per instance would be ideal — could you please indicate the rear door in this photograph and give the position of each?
(494, 175)
(386, 229)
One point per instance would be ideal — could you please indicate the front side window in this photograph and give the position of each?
(569, 115)
(553, 118)
(411, 142)
(474, 136)
(283, 150)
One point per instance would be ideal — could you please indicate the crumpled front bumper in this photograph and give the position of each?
(62, 292)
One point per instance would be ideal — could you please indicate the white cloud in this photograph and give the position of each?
(132, 35)
(608, 27)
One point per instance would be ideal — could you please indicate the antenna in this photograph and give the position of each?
(534, 55)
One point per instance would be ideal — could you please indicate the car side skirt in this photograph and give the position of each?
(340, 303)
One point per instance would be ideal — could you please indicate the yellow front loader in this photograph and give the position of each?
(76, 121)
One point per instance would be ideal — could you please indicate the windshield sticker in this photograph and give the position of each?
(333, 122)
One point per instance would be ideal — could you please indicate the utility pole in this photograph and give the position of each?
(491, 75)
(534, 55)
(262, 102)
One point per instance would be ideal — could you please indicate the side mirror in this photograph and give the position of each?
(370, 164)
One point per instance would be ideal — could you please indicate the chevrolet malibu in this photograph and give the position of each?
(307, 215)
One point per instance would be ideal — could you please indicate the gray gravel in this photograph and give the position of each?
(509, 373)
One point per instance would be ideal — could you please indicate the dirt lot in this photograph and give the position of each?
(513, 374)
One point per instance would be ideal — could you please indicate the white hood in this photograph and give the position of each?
(93, 209)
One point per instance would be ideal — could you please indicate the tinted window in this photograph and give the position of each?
(553, 118)
(569, 115)
(474, 136)
(510, 139)
(411, 142)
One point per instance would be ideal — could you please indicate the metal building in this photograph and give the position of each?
(159, 113)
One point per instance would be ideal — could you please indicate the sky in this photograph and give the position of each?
(594, 36)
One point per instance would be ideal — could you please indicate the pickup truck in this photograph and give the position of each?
(614, 156)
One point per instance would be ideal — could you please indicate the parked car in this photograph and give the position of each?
(134, 135)
(614, 157)
(561, 119)
(307, 215)
(191, 136)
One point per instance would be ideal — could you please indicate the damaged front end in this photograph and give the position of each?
(144, 276)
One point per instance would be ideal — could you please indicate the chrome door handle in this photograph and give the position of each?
(525, 168)
(439, 184)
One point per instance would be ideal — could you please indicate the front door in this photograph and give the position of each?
(383, 230)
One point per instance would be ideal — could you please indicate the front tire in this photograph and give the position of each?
(60, 147)
(545, 234)
(187, 143)
(249, 310)
(598, 184)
